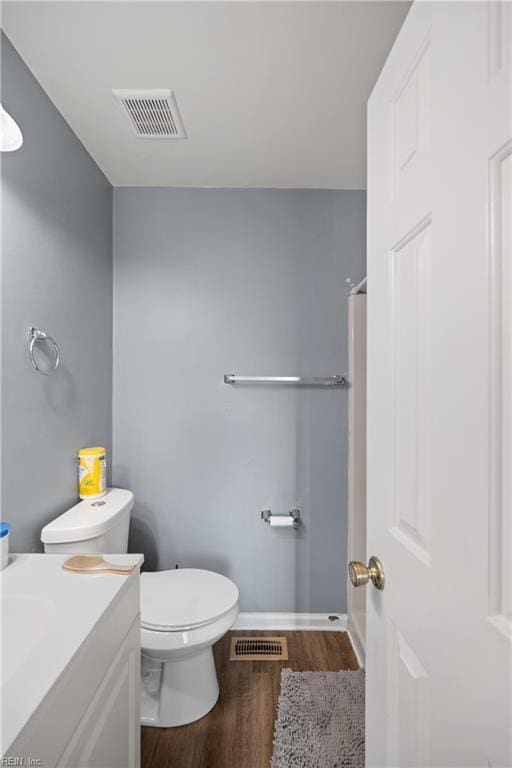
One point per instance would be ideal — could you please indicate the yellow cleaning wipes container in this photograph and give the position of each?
(92, 473)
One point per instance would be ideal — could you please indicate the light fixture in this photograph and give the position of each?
(11, 137)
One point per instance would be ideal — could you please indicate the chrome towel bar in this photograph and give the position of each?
(308, 381)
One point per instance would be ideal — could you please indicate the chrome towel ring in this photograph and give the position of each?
(37, 335)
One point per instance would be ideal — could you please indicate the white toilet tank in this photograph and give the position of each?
(98, 525)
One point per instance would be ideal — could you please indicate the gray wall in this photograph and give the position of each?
(208, 282)
(57, 274)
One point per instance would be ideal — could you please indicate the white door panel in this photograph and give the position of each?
(440, 391)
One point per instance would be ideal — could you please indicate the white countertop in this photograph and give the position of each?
(46, 613)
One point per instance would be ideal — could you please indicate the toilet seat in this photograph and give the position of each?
(184, 599)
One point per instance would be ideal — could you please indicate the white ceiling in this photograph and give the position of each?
(272, 94)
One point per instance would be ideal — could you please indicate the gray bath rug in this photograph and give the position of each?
(320, 720)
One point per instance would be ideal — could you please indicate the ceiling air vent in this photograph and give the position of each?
(153, 113)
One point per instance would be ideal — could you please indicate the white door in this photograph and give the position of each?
(440, 391)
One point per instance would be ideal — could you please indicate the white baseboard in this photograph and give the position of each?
(357, 647)
(290, 621)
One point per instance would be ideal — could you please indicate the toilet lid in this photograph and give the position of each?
(184, 598)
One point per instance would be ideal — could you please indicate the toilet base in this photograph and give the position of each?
(180, 691)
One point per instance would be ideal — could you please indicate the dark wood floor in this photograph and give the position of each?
(238, 732)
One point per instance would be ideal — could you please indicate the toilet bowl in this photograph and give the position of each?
(183, 612)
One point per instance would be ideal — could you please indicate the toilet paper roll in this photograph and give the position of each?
(281, 521)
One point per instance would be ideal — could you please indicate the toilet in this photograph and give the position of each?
(183, 612)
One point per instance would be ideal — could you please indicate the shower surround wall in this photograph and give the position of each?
(208, 282)
(56, 260)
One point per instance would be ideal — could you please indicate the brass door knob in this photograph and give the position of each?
(360, 574)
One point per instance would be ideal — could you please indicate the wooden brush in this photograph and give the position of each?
(95, 564)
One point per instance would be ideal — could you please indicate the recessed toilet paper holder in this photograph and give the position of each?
(282, 520)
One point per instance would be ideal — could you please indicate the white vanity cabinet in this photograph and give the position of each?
(89, 716)
(108, 734)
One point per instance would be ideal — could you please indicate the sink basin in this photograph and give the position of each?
(25, 621)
